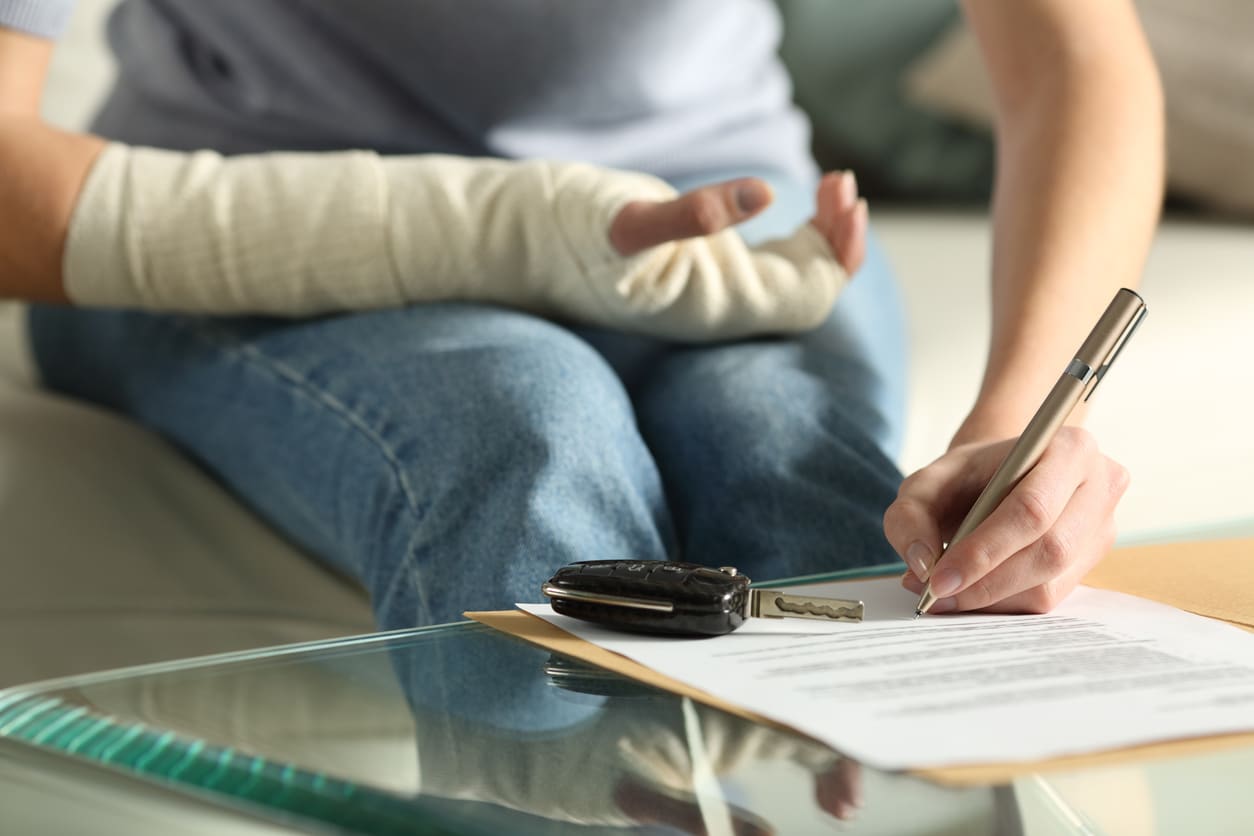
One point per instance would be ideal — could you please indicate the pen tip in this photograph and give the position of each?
(917, 613)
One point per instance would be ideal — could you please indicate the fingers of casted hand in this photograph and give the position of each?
(642, 224)
(842, 218)
(1043, 538)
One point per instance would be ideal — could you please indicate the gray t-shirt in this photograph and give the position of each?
(671, 87)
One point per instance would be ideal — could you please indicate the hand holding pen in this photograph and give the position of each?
(1024, 519)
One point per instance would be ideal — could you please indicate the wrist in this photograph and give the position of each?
(980, 427)
(995, 420)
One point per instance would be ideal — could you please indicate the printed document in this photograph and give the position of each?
(1103, 670)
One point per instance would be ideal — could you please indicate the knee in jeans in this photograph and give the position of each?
(546, 401)
(739, 412)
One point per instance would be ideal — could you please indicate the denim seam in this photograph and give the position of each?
(301, 384)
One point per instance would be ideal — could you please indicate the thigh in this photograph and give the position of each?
(449, 456)
(777, 454)
(767, 461)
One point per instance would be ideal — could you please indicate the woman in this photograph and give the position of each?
(452, 455)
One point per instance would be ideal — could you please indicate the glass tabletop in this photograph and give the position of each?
(461, 729)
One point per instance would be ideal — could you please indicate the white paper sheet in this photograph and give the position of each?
(1104, 670)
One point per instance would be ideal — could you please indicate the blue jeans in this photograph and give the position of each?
(451, 456)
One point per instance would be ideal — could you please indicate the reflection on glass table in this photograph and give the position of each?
(459, 729)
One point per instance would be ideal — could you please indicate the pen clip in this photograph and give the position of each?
(1116, 349)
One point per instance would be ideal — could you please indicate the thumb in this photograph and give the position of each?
(645, 223)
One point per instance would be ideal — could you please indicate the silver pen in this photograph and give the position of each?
(1077, 383)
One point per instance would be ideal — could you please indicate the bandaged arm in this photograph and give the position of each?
(305, 234)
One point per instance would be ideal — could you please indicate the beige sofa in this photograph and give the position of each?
(118, 551)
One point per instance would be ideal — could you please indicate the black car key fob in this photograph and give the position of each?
(682, 599)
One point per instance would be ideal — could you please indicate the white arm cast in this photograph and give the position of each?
(304, 234)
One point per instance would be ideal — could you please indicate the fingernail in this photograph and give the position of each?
(919, 559)
(946, 582)
(848, 188)
(752, 196)
(943, 606)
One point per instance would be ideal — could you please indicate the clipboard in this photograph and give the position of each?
(1212, 578)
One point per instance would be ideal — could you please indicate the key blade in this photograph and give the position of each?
(769, 603)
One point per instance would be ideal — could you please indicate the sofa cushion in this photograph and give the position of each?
(848, 60)
(117, 551)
